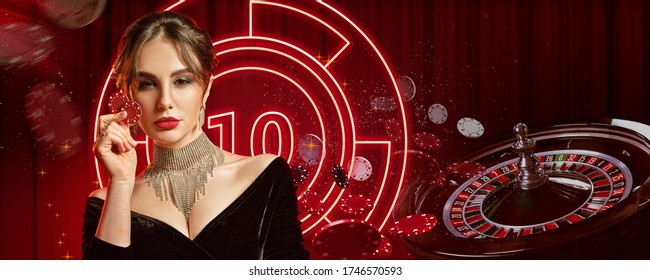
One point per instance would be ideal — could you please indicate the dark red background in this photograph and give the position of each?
(505, 61)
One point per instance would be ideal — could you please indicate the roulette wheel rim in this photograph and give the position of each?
(623, 223)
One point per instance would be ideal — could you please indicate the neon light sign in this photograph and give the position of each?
(272, 88)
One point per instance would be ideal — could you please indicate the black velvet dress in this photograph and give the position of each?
(262, 223)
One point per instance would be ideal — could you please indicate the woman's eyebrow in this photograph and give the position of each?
(175, 73)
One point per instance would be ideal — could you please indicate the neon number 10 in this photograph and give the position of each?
(266, 124)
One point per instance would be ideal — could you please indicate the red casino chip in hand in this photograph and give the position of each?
(118, 102)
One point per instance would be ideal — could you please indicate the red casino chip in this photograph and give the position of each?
(116, 101)
(54, 120)
(412, 225)
(465, 169)
(385, 248)
(439, 180)
(356, 204)
(24, 43)
(318, 212)
(427, 141)
(338, 173)
(310, 201)
(133, 111)
(346, 239)
(299, 173)
(394, 129)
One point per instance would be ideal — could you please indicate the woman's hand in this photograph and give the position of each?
(115, 148)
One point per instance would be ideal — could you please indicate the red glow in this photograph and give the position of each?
(323, 107)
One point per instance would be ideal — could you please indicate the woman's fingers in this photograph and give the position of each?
(120, 136)
(106, 120)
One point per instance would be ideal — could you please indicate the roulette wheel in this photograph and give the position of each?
(574, 191)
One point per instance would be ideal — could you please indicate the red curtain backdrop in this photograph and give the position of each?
(541, 62)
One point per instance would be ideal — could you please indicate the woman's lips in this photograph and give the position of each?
(167, 123)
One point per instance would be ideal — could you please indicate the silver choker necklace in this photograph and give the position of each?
(180, 175)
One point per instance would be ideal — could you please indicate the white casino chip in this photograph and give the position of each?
(406, 87)
(437, 113)
(470, 128)
(310, 149)
(382, 104)
(361, 169)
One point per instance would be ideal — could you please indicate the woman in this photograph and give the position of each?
(194, 201)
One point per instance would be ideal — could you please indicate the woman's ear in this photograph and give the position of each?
(206, 94)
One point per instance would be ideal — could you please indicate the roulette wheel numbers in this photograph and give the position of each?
(567, 191)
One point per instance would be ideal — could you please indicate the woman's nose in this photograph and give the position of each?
(165, 102)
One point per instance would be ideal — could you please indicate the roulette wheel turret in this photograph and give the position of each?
(576, 191)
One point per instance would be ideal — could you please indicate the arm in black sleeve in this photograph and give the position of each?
(93, 247)
(285, 239)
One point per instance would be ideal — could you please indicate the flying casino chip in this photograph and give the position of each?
(465, 169)
(72, 14)
(356, 204)
(437, 113)
(346, 239)
(383, 104)
(439, 180)
(406, 87)
(54, 120)
(23, 43)
(338, 173)
(300, 173)
(427, 141)
(413, 225)
(385, 248)
(470, 128)
(310, 148)
(311, 202)
(361, 169)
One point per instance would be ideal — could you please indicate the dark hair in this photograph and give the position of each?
(193, 44)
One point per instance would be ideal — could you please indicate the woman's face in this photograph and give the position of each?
(170, 95)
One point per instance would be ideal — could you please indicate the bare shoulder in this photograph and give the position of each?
(263, 160)
(99, 193)
(250, 162)
(248, 167)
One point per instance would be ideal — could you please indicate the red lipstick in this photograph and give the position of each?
(167, 123)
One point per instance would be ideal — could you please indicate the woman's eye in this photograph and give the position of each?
(146, 84)
(182, 82)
